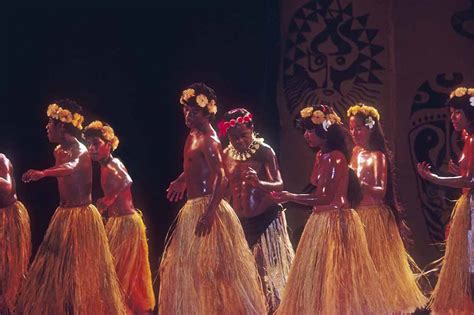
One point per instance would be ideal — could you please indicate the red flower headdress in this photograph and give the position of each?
(225, 125)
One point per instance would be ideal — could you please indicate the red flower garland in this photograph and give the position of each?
(225, 125)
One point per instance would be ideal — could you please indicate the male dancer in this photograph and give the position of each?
(125, 228)
(73, 271)
(207, 267)
(252, 168)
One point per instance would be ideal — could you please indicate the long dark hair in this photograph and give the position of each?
(337, 139)
(463, 103)
(378, 142)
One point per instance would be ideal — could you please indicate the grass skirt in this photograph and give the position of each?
(15, 251)
(129, 247)
(274, 253)
(332, 272)
(452, 294)
(394, 264)
(73, 271)
(212, 274)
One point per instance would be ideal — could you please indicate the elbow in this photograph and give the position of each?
(278, 186)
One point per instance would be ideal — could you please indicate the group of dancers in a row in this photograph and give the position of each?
(229, 251)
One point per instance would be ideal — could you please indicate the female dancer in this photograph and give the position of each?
(332, 272)
(380, 211)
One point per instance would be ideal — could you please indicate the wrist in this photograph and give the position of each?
(434, 178)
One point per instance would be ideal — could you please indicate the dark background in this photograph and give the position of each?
(127, 66)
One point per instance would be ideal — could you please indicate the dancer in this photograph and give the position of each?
(380, 211)
(252, 168)
(15, 239)
(125, 228)
(453, 291)
(332, 272)
(207, 267)
(73, 271)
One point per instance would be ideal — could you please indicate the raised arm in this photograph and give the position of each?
(60, 170)
(461, 181)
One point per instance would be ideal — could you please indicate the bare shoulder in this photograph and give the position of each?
(379, 155)
(333, 157)
(117, 165)
(4, 160)
(58, 149)
(267, 150)
(210, 142)
(470, 142)
(5, 164)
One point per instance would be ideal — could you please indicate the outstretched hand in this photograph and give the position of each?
(280, 196)
(175, 191)
(424, 169)
(32, 176)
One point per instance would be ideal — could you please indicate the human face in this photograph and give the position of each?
(193, 116)
(359, 132)
(99, 150)
(54, 131)
(240, 137)
(312, 139)
(458, 118)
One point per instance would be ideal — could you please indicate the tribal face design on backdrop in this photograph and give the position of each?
(330, 57)
(460, 22)
(433, 139)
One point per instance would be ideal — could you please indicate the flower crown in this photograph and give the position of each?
(461, 91)
(64, 115)
(225, 125)
(326, 116)
(370, 112)
(201, 100)
(106, 131)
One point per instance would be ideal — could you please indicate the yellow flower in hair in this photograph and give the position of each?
(364, 109)
(306, 112)
(65, 116)
(202, 100)
(460, 91)
(96, 124)
(373, 112)
(114, 142)
(333, 118)
(77, 121)
(108, 133)
(187, 94)
(212, 107)
(53, 111)
(317, 117)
